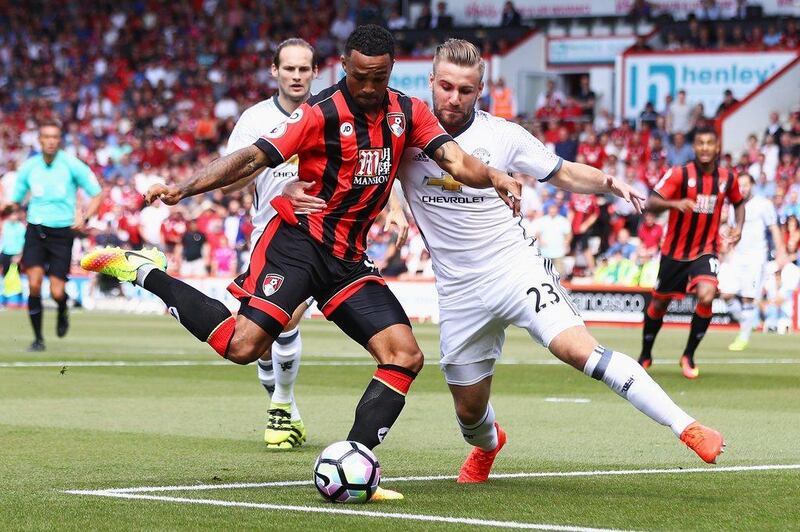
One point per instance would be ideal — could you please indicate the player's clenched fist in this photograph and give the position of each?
(170, 195)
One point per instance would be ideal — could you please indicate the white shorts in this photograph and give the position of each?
(526, 293)
(742, 277)
(194, 268)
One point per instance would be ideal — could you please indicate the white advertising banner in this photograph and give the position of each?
(586, 50)
(705, 77)
(489, 12)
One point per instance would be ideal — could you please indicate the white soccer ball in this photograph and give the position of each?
(348, 472)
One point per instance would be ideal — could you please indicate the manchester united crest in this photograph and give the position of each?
(397, 123)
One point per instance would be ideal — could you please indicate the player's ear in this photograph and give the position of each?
(274, 71)
(430, 80)
(344, 62)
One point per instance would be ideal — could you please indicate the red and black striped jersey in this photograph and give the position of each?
(351, 158)
(696, 233)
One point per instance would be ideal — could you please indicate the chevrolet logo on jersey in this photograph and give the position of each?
(446, 182)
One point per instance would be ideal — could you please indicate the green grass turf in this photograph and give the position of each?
(115, 427)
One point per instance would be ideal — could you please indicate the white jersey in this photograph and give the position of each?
(470, 232)
(253, 123)
(759, 215)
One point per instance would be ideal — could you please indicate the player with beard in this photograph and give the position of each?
(490, 274)
(349, 139)
(695, 195)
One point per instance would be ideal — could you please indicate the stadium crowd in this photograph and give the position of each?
(150, 92)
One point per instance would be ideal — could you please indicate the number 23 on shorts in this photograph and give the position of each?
(543, 296)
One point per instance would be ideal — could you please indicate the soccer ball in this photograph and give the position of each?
(347, 471)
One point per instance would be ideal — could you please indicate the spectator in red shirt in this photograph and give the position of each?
(650, 234)
(584, 212)
(592, 152)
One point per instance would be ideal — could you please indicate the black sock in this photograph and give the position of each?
(62, 305)
(697, 330)
(381, 404)
(200, 314)
(35, 311)
(649, 333)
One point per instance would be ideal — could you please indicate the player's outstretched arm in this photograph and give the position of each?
(585, 179)
(473, 173)
(220, 173)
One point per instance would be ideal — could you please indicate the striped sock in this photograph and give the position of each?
(630, 381)
(482, 434)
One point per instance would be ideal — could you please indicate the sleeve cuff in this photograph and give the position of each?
(436, 143)
(273, 154)
(554, 171)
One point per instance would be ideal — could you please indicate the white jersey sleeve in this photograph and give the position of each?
(527, 155)
(244, 132)
(255, 122)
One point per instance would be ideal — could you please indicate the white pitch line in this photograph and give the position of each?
(540, 474)
(578, 400)
(160, 363)
(366, 362)
(347, 511)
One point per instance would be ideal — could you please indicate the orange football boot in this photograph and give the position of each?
(705, 441)
(690, 370)
(478, 464)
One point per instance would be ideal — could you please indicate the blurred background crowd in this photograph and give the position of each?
(149, 91)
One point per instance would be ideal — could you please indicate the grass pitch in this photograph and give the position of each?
(66, 424)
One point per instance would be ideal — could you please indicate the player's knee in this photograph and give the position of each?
(409, 358)
(470, 412)
(243, 351)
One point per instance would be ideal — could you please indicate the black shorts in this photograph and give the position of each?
(5, 263)
(676, 278)
(580, 243)
(287, 267)
(50, 248)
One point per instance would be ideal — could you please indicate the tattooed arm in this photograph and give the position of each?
(473, 173)
(221, 172)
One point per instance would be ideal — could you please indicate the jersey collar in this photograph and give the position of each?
(465, 126)
(279, 106)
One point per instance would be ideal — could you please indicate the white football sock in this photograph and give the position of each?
(141, 273)
(749, 319)
(735, 308)
(265, 375)
(286, 363)
(630, 381)
(482, 434)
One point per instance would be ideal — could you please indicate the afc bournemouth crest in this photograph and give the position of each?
(272, 283)
(397, 123)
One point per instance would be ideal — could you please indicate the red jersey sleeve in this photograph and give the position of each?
(297, 134)
(733, 193)
(669, 185)
(426, 132)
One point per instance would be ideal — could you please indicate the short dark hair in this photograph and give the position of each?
(51, 122)
(294, 41)
(706, 130)
(371, 40)
(748, 176)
